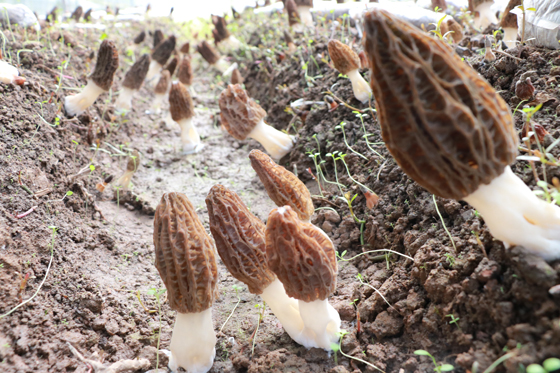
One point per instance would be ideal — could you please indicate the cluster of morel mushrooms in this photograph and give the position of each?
(444, 124)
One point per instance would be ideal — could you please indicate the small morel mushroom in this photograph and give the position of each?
(303, 258)
(52, 15)
(133, 80)
(157, 38)
(489, 56)
(242, 117)
(240, 240)
(185, 73)
(99, 81)
(236, 77)
(172, 65)
(160, 56)
(483, 14)
(131, 167)
(87, 15)
(293, 17)
(140, 38)
(289, 42)
(186, 262)
(185, 48)
(456, 30)
(213, 57)
(347, 62)
(225, 41)
(508, 23)
(304, 11)
(450, 132)
(160, 90)
(77, 14)
(102, 185)
(283, 187)
(181, 108)
(524, 89)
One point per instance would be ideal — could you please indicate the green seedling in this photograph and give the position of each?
(237, 289)
(549, 365)
(336, 347)
(454, 320)
(366, 135)
(157, 293)
(260, 310)
(443, 223)
(341, 127)
(437, 367)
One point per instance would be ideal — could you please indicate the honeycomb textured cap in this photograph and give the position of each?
(185, 255)
(239, 113)
(509, 19)
(301, 255)
(291, 9)
(106, 65)
(208, 52)
(140, 37)
(77, 14)
(164, 49)
(185, 73)
(343, 57)
(137, 73)
(283, 187)
(444, 124)
(180, 102)
(239, 237)
(220, 25)
(133, 161)
(163, 83)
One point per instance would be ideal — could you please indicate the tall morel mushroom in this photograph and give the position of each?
(303, 258)
(449, 131)
(293, 16)
(157, 38)
(131, 167)
(181, 108)
(240, 240)
(347, 62)
(185, 73)
(483, 14)
(161, 89)
(160, 55)
(99, 81)
(283, 187)
(133, 80)
(186, 262)
(508, 23)
(214, 58)
(77, 14)
(242, 117)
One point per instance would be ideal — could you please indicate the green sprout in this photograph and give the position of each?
(438, 367)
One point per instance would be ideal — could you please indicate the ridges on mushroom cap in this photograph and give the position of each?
(207, 52)
(291, 9)
(106, 65)
(343, 57)
(444, 124)
(301, 255)
(239, 113)
(185, 73)
(163, 83)
(172, 65)
(140, 37)
(283, 187)
(180, 102)
(185, 255)
(163, 51)
(158, 38)
(222, 32)
(135, 76)
(77, 14)
(509, 19)
(239, 237)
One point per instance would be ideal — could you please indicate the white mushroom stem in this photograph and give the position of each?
(485, 16)
(231, 43)
(76, 104)
(321, 324)
(305, 16)
(510, 36)
(516, 216)
(276, 143)
(154, 70)
(361, 88)
(223, 66)
(189, 136)
(156, 104)
(8, 73)
(284, 308)
(193, 342)
(124, 181)
(124, 102)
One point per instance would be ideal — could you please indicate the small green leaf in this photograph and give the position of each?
(446, 368)
(69, 193)
(551, 364)
(533, 9)
(92, 167)
(103, 36)
(535, 368)
(422, 353)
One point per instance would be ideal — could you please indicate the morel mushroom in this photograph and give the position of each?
(290, 42)
(524, 88)
(131, 167)
(242, 117)
(508, 23)
(236, 77)
(87, 15)
(440, 4)
(303, 258)
(99, 81)
(172, 66)
(157, 38)
(133, 80)
(283, 187)
(304, 11)
(160, 56)
(161, 89)
(293, 16)
(347, 62)
(185, 73)
(225, 41)
(9, 74)
(483, 14)
(77, 14)
(186, 262)
(214, 58)
(450, 132)
(181, 108)
(240, 240)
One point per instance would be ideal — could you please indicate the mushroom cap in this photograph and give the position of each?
(180, 102)
(77, 14)
(443, 123)
(185, 73)
(220, 25)
(236, 77)
(163, 83)
(185, 48)
(185, 255)
(301, 255)
(239, 237)
(158, 38)
(283, 187)
(106, 65)
(304, 3)
(343, 57)
(163, 51)
(287, 37)
(140, 37)
(509, 19)
(172, 65)
(87, 14)
(135, 76)
(239, 113)
(291, 9)
(207, 52)
(133, 161)
(456, 27)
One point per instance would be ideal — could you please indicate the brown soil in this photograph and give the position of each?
(103, 253)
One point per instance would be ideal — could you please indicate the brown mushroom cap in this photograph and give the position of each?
(343, 57)
(441, 4)
(87, 15)
(222, 32)
(288, 38)
(304, 3)
(236, 77)
(443, 123)
(185, 73)
(163, 83)
(172, 65)
(207, 52)
(106, 65)
(77, 14)
(185, 48)
(283, 187)
(185, 255)
(133, 161)
(240, 113)
(163, 51)
(301, 255)
(456, 27)
(158, 38)
(239, 237)
(291, 9)
(140, 38)
(509, 19)
(137, 73)
(180, 102)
